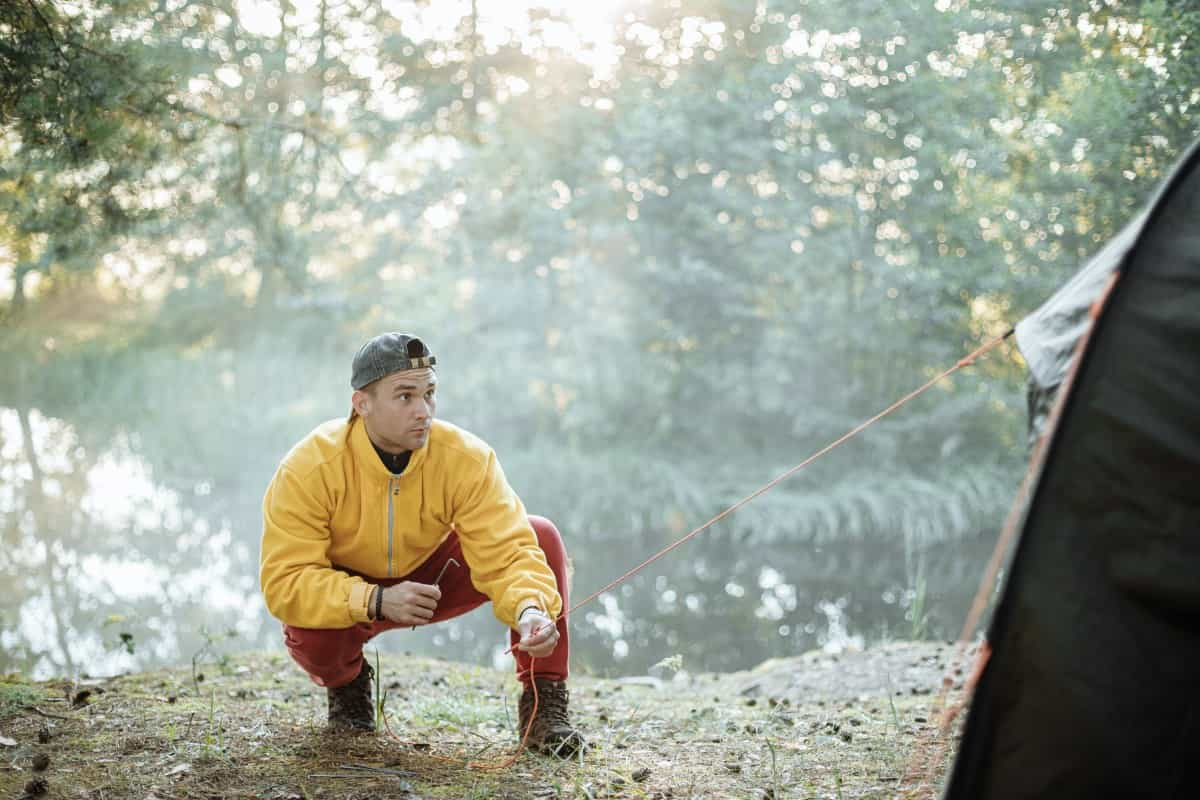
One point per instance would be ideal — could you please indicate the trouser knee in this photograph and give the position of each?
(332, 657)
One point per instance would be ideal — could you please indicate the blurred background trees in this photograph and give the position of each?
(663, 251)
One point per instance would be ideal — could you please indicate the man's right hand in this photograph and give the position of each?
(410, 603)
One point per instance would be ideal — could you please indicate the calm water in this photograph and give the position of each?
(130, 487)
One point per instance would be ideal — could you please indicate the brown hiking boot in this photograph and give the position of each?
(350, 706)
(551, 733)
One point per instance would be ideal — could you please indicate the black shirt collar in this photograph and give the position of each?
(395, 462)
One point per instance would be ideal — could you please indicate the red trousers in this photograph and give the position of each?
(333, 656)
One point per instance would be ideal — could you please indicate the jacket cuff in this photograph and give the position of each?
(360, 595)
(527, 603)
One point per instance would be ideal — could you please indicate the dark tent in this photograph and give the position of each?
(1092, 689)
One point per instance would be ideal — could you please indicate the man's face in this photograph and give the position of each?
(398, 409)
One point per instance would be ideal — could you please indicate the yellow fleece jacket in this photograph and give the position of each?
(332, 504)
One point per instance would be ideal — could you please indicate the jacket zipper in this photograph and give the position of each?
(391, 493)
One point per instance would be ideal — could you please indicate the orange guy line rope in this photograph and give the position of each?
(962, 362)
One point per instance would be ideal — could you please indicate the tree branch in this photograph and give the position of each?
(243, 125)
(37, 12)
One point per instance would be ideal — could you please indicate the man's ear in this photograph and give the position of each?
(361, 401)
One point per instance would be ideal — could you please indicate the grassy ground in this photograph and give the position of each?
(253, 728)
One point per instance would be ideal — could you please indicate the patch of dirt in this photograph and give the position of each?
(894, 668)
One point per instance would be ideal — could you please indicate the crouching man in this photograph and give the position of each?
(391, 519)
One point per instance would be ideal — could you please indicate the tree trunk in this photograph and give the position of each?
(473, 71)
(267, 287)
(18, 295)
(59, 611)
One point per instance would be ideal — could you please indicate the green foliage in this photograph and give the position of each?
(379, 695)
(208, 650)
(15, 697)
(214, 731)
(84, 123)
(671, 664)
(125, 639)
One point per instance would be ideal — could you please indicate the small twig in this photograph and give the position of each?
(401, 773)
(364, 771)
(445, 567)
(477, 735)
(236, 124)
(47, 714)
(437, 581)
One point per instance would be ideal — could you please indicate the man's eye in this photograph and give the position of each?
(405, 396)
(429, 393)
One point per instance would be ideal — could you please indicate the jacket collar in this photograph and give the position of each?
(368, 460)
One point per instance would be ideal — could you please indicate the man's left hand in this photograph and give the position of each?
(539, 633)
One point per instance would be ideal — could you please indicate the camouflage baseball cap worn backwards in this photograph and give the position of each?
(388, 353)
